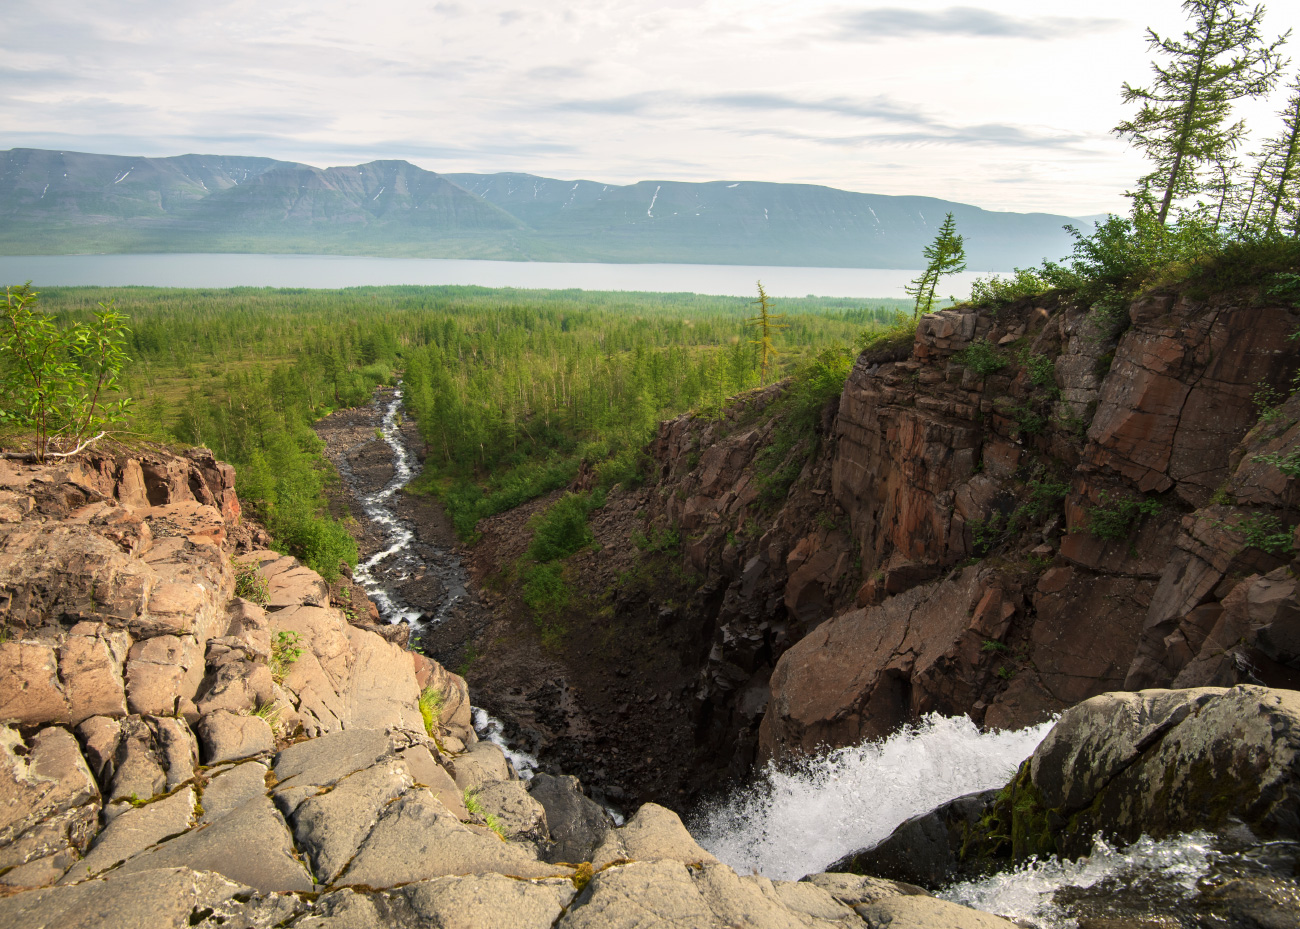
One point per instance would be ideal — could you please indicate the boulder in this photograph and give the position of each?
(654, 832)
(30, 693)
(228, 736)
(517, 813)
(49, 802)
(644, 893)
(91, 659)
(577, 824)
(926, 913)
(483, 763)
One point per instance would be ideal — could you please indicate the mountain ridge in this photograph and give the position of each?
(75, 202)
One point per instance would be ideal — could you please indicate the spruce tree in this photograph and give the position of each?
(1182, 120)
(945, 255)
(1281, 166)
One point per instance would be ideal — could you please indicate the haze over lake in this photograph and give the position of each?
(333, 271)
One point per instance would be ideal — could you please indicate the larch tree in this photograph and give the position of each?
(945, 255)
(766, 322)
(1182, 119)
(1281, 166)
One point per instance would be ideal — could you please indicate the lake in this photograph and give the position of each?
(331, 271)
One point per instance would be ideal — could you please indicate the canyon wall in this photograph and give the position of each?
(1000, 531)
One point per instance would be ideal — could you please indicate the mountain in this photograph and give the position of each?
(72, 202)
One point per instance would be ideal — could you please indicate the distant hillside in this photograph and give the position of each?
(70, 202)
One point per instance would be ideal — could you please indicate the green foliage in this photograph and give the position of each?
(1041, 370)
(57, 380)
(545, 590)
(473, 805)
(764, 321)
(895, 339)
(430, 704)
(998, 291)
(945, 255)
(1115, 518)
(1265, 532)
(562, 529)
(993, 645)
(659, 540)
(249, 584)
(285, 650)
(798, 415)
(493, 822)
(1288, 464)
(981, 357)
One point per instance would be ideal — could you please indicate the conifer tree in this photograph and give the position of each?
(1182, 120)
(945, 255)
(766, 323)
(1281, 166)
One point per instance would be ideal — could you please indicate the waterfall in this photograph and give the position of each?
(793, 822)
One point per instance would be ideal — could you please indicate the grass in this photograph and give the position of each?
(431, 700)
(250, 584)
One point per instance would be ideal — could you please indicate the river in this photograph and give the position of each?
(333, 271)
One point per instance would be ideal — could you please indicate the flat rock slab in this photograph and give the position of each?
(250, 845)
(926, 913)
(639, 895)
(134, 831)
(417, 839)
(480, 901)
(327, 759)
(228, 736)
(42, 779)
(163, 899)
(331, 827)
(518, 814)
(232, 788)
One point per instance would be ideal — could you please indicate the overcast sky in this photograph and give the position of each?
(1007, 104)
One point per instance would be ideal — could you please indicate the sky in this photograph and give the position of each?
(1007, 105)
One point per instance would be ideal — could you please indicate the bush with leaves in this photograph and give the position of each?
(999, 291)
(60, 382)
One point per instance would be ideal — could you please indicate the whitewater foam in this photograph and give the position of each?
(789, 823)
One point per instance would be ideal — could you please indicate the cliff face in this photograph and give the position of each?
(936, 553)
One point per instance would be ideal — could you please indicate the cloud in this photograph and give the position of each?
(629, 105)
(966, 21)
(875, 108)
(557, 73)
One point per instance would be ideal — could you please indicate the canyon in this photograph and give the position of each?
(1019, 512)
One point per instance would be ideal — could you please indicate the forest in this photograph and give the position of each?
(513, 389)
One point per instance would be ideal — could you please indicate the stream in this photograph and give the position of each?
(794, 821)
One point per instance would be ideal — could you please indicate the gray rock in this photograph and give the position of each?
(853, 889)
(47, 794)
(654, 832)
(227, 736)
(135, 830)
(164, 899)
(177, 749)
(487, 901)
(250, 845)
(428, 773)
(811, 900)
(1198, 759)
(577, 824)
(519, 816)
(754, 902)
(330, 827)
(346, 909)
(482, 764)
(417, 839)
(232, 788)
(925, 849)
(99, 737)
(41, 872)
(926, 913)
(326, 759)
(641, 894)
(137, 771)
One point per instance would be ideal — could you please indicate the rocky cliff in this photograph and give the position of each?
(191, 735)
(1018, 511)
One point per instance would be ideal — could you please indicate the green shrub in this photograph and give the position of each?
(285, 650)
(1265, 532)
(1116, 518)
(431, 700)
(981, 357)
(545, 590)
(1041, 370)
(1000, 291)
(1288, 464)
(894, 340)
(562, 529)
